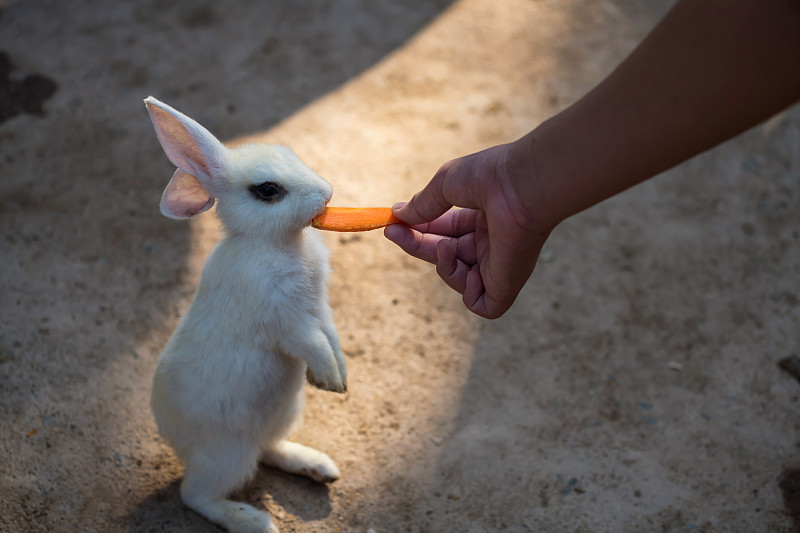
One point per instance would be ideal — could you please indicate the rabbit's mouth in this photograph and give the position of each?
(318, 214)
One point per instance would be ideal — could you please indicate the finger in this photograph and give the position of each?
(447, 188)
(423, 245)
(452, 271)
(478, 300)
(454, 223)
(426, 205)
(414, 243)
(467, 250)
(473, 292)
(459, 223)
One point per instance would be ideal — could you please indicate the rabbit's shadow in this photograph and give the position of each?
(296, 495)
(281, 495)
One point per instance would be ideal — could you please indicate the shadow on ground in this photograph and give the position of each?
(633, 386)
(289, 498)
(92, 276)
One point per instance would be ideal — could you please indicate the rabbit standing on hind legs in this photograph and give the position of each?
(228, 385)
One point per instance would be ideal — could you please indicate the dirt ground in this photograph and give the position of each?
(633, 387)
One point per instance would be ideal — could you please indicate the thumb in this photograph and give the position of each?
(432, 201)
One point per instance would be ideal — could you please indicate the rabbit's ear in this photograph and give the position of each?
(185, 197)
(187, 144)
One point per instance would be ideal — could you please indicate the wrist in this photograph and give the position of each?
(574, 164)
(531, 177)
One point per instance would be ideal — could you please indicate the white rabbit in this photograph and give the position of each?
(228, 386)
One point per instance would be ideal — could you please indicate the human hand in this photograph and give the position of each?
(661, 106)
(488, 249)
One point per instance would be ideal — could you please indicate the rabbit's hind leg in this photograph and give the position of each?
(210, 477)
(298, 459)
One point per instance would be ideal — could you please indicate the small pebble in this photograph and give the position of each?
(674, 365)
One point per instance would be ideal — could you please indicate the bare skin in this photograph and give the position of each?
(709, 70)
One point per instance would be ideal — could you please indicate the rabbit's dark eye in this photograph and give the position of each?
(267, 191)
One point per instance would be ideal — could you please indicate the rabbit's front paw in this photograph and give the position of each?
(326, 375)
(340, 363)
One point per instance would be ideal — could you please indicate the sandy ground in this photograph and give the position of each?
(634, 386)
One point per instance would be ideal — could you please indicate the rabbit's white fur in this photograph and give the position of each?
(228, 385)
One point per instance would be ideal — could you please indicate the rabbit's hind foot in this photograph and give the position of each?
(236, 517)
(295, 458)
(206, 485)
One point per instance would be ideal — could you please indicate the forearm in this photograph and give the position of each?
(710, 70)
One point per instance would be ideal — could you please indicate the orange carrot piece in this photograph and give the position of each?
(354, 218)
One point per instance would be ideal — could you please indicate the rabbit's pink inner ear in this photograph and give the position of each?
(187, 144)
(184, 197)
